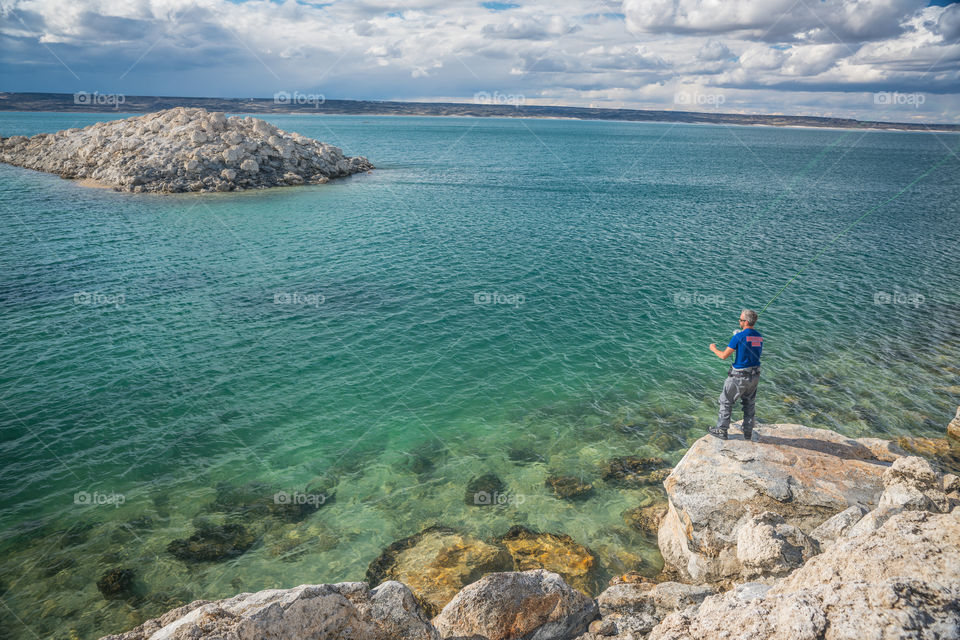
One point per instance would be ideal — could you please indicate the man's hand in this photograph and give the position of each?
(723, 355)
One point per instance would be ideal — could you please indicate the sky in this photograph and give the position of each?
(894, 60)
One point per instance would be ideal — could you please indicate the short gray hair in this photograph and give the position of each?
(749, 316)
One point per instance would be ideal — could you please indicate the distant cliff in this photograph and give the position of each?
(286, 104)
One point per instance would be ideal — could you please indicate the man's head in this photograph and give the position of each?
(748, 318)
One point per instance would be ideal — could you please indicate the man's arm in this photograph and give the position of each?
(723, 355)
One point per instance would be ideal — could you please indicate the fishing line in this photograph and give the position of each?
(852, 224)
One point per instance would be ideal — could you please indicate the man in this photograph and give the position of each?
(743, 377)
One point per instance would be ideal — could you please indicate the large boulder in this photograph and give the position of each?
(901, 581)
(800, 474)
(318, 612)
(436, 563)
(533, 605)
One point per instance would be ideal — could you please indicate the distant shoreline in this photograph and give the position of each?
(925, 129)
(65, 103)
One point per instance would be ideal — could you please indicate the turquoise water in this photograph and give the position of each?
(157, 348)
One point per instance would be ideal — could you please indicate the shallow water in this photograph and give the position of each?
(157, 348)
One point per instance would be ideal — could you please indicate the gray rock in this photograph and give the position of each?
(837, 526)
(533, 605)
(901, 581)
(181, 150)
(802, 474)
(911, 484)
(633, 609)
(768, 546)
(325, 611)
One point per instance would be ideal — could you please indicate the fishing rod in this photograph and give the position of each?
(854, 223)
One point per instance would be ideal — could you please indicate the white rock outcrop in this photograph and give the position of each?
(897, 582)
(182, 149)
(740, 510)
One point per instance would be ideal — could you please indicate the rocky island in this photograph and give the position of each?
(180, 150)
(801, 534)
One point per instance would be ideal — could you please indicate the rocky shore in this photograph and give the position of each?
(181, 150)
(801, 534)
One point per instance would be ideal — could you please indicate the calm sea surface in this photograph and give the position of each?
(515, 297)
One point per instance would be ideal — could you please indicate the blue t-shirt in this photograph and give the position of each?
(749, 344)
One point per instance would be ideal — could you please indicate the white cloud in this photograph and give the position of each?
(762, 55)
(713, 50)
(773, 20)
(812, 60)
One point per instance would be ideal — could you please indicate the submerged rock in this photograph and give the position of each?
(558, 553)
(319, 612)
(418, 462)
(569, 487)
(212, 542)
(512, 606)
(182, 149)
(483, 491)
(290, 542)
(646, 519)
(255, 501)
(527, 454)
(633, 470)
(250, 501)
(299, 505)
(77, 533)
(115, 583)
(801, 474)
(436, 563)
(51, 566)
